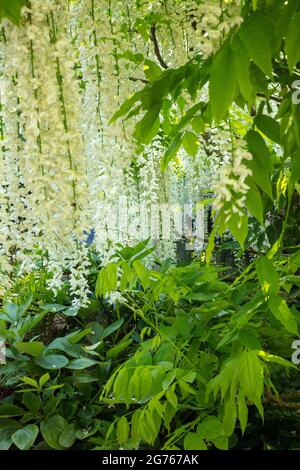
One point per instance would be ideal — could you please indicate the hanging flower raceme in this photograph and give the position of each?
(108, 151)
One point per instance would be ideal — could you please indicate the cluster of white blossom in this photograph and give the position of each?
(41, 115)
(109, 152)
(107, 41)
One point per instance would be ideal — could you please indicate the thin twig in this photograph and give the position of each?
(279, 401)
